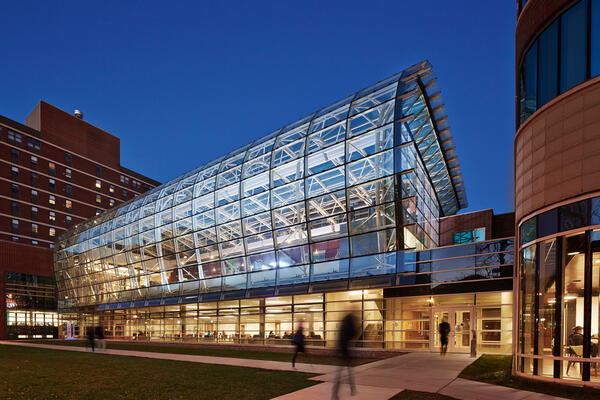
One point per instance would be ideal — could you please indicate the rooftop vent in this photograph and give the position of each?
(78, 114)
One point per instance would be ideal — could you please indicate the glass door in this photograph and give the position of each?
(462, 332)
(460, 321)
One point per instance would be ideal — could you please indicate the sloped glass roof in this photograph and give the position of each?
(417, 106)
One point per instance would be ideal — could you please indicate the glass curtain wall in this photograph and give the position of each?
(393, 323)
(559, 284)
(253, 321)
(561, 57)
(330, 197)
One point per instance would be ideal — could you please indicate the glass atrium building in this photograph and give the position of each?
(340, 210)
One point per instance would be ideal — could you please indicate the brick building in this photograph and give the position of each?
(56, 171)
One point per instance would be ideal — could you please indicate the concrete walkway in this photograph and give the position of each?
(379, 380)
(425, 372)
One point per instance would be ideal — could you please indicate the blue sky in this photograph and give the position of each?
(184, 82)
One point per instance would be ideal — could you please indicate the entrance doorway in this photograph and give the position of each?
(460, 320)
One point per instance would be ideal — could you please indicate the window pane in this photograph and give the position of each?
(548, 64)
(547, 303)
(374, 242)
(329, 270)
(289, 215)
(573, 297)
(548, 223)
(373, 265)
(256, 184)
(331, 250)
(370, 143)
(595, 246)
(325, 182)
(293, 256)
(595, 211)
(528, 84)
(528, 230)
(329, 228)
(573, 215)
(293, 275)
(371, 193)
(527, 305)
(287, 194)
(573, 46)
(370, 168)
(325, 159)
(595, 38)
(255, 204)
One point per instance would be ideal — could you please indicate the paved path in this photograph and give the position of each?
(378, 380)
(238, 362)
(425, 372)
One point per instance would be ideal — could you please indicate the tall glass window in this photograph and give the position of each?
(548, 68)
(547, 305)
(528, 263)
(573, 262)
(595, 38)
(529, 84)
(595, 246)
(567, 45)
(573, 43)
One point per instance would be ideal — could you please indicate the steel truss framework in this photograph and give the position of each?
(331, 196)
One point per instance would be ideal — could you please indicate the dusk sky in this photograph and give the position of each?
(181, 83)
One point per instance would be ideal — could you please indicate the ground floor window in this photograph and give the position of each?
(559, 292)
(394, 323)
(28, 324)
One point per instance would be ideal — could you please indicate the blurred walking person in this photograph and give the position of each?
(298, 341)
(90, 337)
(100, 338)
(347, 333)
(444, 330)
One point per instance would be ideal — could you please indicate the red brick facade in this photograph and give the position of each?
(496, 226)
(63, 159)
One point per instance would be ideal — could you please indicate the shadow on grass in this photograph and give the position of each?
(497, 371)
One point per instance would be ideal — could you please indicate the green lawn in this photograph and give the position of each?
(31, 373)
(497, 370)
(415, 395)
(215, 351)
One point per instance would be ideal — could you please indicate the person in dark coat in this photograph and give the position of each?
(576, 337)
(100, 338)
(347, 333)
(298, 341)
(444, 330)
(90, 337)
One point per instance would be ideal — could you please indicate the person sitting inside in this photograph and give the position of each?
(576, 338)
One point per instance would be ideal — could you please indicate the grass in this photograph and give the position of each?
(32, 373)
(215, 351)
(497, 371)
(415, 395)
